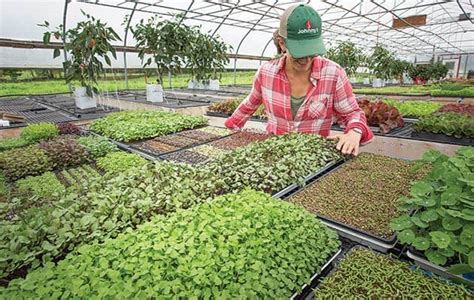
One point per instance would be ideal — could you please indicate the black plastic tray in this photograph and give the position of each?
(397, 132)
(442, 138)
(315, 279)
(421, 261)
(348, 231)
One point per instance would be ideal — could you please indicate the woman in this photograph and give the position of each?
(302, 91)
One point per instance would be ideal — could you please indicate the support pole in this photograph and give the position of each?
(66, 3)
(125, 45)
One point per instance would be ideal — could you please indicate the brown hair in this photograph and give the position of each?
(275, 41)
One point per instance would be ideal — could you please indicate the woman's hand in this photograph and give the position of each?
(348, 142)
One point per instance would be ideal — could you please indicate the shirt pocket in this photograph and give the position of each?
(317, 108)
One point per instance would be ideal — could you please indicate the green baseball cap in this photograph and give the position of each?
(300, 26)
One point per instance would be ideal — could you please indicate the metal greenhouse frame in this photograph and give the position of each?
(448, 30)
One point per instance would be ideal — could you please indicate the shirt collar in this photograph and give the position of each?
(315, 71)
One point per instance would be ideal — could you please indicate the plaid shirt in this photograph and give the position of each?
(330, 98)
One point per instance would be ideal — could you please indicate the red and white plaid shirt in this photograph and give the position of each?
(330, 98)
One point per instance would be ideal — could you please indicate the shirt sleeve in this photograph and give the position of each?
(347, 109)
(248, 106)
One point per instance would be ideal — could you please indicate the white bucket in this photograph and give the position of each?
(154, 93)
(378, 83)
(214, 85)
(82, 100)
(194, 84)
(366, 80)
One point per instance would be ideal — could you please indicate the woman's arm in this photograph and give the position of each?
(347, 109)
(248, 106)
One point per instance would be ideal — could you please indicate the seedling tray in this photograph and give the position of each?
(160, 155)
(347, 231)
(421, 261)
(342, 255)
(289, 190)
(442, 138)
(307, 289)
(225, 115)
(124, 147)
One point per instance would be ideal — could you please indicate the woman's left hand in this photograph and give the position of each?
(348, 142)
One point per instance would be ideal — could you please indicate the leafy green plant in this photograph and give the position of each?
(442, 226)
(230, 105)
(437, 71)
(275, 163)
(207, 56)
(419, 72)
(347, 55)
(98, 209)
(97, 146)
(451, 124)
(128, 126)
(166, 41)
(41, 131)
(398, 68)
(227, 106)
(118, 162)
(64, 152)
(30, 160)
(365, 274)
(78, 177)
(85, 44)
(12, 143)
(414, 108)
(4, 188)
(352, 202)
(379, 62)
(246, 245)
(43, 186)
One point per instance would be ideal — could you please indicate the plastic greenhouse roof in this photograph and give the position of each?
(448, 30)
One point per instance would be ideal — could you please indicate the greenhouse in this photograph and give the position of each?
(158, 149)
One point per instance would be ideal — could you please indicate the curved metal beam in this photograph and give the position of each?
(66, 3)
(464, 12)
(265, 48)
(125, 45)
(186, 12)
(225, 18)
(248, 32)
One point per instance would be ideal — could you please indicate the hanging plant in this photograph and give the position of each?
(86, 44)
